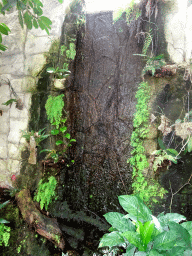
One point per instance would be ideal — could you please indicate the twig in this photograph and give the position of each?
(173, 194)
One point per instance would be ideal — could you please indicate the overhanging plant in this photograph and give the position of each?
(4, 230)
(141, 233)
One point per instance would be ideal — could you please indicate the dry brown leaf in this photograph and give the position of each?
(164, 126)
(183, 130)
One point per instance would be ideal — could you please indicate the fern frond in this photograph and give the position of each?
(147, 42)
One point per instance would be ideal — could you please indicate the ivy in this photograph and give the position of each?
(54, 107)
(4, 234)
(147, 189)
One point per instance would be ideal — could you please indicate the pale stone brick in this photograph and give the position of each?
(3, 146)
(16, 127)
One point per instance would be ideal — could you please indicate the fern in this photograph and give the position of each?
(46, 192)
(54, 107)
(147, 42)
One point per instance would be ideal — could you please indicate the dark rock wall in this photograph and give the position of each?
(101, 103)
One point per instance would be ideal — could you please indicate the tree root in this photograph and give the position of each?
(45, 226)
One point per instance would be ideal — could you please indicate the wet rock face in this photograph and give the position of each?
(101, 105)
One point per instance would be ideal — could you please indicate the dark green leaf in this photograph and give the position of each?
(20, 18)
(4, 204)
(58, 142)
(183, 236)
(54, 132)
(38, 3)
(111, 239)
(130, 250)
(188, 226)
(161, 144)
(165, 240)
(3, 30)
(41, 25)
(135, 206)
(35, 24)
(176, 251)
(0, 38)
(46, 150)
(31, 4)
(116, 220)
(51, 70)
(155, 253)
(187, 253)
(9, 102)
(28, 20)
(172, 151)
(9, 4)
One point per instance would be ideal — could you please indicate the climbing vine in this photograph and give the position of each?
(147, 188)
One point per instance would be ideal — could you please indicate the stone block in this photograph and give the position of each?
(4, 122)
(16, 127)
(3, 146)
(19, 113)
(14, 151)
(13, 166)
(34, 64)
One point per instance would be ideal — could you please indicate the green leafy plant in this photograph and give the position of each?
(148, 189)
(46, 192)
(39, 136)
(141, 233)
(4, 230)
(59, 73)
(71, 52)
(4, 29)
(54, 107)
(61, 132)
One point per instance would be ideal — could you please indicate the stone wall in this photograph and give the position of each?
(19, 69)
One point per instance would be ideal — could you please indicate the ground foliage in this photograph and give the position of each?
(141, 233)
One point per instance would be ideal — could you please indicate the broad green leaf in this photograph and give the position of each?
(58, 142)
(176, 217)
(45, 150)
(187, 253)
(4, 204)
(67, 135)
(183, 236)
(3, 221)
(189, 145)
(60, 1)
(140, 254)
(172, 151)
(28, 20)
(38, 11)
(38, 3)
(130, 250)
(63, 120)
(188, 226)
(116, 220)
(135, 206)
(35, 24)
(155, 253)
(134, 238)
(20, 18)
(54, 132)
(63, 129)
(165, 241)
(176, 251)
(111, 239)
(0, 38)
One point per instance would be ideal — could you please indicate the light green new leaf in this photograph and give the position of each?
(63, 129)
(135, 206)
(55, 132)
(60, 1)
(148, 228)
(67, 135)
(111, 239)
(117, 221)
(134, 238)
(58, 142)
